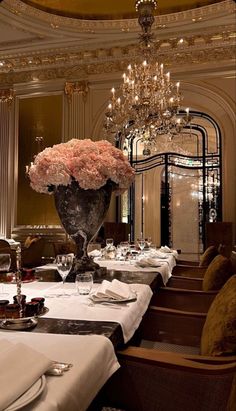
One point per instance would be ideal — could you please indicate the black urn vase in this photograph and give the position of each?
(82, 213)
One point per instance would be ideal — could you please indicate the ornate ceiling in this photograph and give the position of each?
(39, 45)
(106, 9)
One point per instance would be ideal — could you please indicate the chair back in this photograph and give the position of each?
(118, 231)
(5, 248)
(32, 256)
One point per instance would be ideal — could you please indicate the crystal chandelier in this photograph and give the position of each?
(148, 103)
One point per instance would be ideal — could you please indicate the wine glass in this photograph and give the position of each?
(109, 242)
(64, 263)
(148, 241)
(5, 264)
(124, 248)
(141, 242)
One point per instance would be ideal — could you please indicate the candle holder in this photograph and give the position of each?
(18, 280)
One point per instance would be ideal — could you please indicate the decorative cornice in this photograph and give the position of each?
(91, 26)
(181, 59)
(80, 87)
(223, 39)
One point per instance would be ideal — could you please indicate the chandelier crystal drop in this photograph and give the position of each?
(148, 102)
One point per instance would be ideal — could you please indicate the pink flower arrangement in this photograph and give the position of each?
(91, 163)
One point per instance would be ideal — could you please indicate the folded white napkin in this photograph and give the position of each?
(21, 366)
(95, 253)
(148, 262)
(158, 254)
(165, 249)
(114, 289)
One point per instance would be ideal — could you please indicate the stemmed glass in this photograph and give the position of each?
(148, 241)
(124, 248)
(141, 242)
(109, 242)
(64, 264)
(5, 264)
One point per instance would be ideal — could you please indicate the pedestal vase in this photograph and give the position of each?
(82, 213)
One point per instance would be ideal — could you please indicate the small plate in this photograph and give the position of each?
(19, 323)
(33, 392)
(23, 323)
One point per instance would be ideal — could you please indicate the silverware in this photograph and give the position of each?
(57, 372)
(58, 368)
(106, 304)
(62, 365)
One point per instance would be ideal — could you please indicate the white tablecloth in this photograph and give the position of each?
(93, 359)
(77, 307)
(165, 266)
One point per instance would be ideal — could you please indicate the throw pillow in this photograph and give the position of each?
(219, 331)
(209, 254)
(217, 273)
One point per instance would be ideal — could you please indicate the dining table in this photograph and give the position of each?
(73, 329)
(92, 361)
(77, 315)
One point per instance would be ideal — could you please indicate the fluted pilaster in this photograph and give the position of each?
(75, 109)
(5, 168)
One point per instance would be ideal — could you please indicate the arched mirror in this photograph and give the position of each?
(177, 186)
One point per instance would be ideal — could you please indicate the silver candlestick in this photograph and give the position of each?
(18, 279)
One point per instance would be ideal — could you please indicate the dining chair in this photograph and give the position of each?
(5, 248)
(205, 259)
(195, 268)
(185, 361)
(31, 256)
(196, 283)
(213, 276)
(194, 294)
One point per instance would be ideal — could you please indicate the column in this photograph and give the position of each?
(76, 93)
(6, 98)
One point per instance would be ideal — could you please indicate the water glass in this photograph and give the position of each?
(84, 282)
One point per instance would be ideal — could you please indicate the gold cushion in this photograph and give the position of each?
(219, 331)
(217, 273)
(209, 254)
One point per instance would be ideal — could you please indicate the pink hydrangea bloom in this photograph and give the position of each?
(91, 163)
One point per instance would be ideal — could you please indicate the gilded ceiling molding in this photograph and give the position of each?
(80, 87)
(20, 8)
(6, 96)
(223, 38)
(188, 60)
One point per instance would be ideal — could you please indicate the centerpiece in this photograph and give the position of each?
(82, 174)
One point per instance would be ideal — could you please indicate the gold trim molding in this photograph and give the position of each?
(6, 96)
(80, 87)
(194, 49)
(78, 66)
(19, 8)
